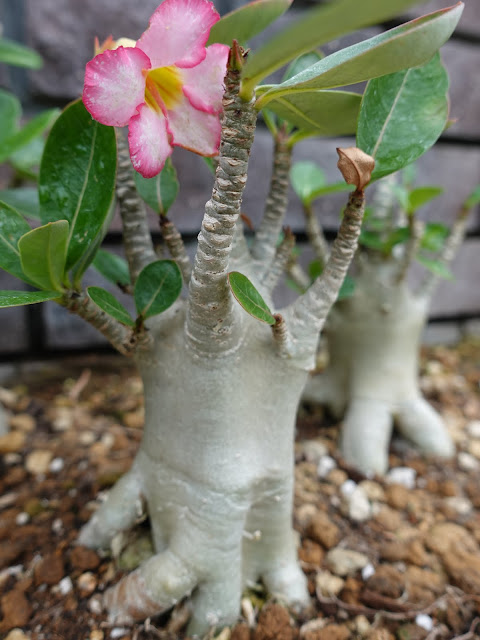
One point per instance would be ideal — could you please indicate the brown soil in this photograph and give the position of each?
(409, 568)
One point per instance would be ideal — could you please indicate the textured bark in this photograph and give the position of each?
(372, 377)
(315, 236)
(176, 247)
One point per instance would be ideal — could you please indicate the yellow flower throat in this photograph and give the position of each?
(163, 85)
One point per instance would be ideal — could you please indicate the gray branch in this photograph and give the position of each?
(315, 236)
(280, 262)
(212, 317)
(176, 247)
(136, 234)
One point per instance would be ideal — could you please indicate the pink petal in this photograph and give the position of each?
(178, 32)
(114, 85)
(204, 84)
(195, 130)
(149, 141)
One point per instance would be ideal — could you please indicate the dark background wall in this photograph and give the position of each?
(62, 31)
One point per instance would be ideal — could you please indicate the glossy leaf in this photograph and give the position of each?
(19, 298)
(43, 253)
(16, 54)
(305, 61)
(408, 45)
(28, 157)
(306, 177)
(317, 26)
(34, 127)
(473, 198)
(324, 113)
(434, 236)
(245, 22)
(160, 191)
(402, 115)
(77, 177)
(249, 298)
(438, 267)
(112, 267)
(420, 196)
(24, 200)
(10, 112)
(12, 227)
(108, 303)
(157, 287)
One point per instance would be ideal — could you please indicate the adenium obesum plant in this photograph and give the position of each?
(214, 470)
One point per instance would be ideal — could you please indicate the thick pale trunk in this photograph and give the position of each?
(215, 467)
(372, 378)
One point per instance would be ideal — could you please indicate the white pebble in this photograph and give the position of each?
(467, 462)
(325, 465)
(56, 465)
(348, 487)
(473, 429)
(402, 475)
(118, 632)
(22, 518)
(368, 571)
(359, 507)
(424, 621)
(57, 525)
(65, 585)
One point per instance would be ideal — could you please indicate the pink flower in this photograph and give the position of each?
(168, 87)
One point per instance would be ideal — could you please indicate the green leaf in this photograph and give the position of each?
(43, 253)
(160, 191)
(24, 200)
(12, 227)
(108, 303)
(77, 178)
(397, 236)
(34, 127)
(315, 269)
(28, 156)
(301, 63)
(325, 113)
(306, 177)
(371, 239)
(317, 26)
(157, 287)
(10, 112)
(249, 298)
(420, 196)
(210, 164)
(112, 267)
(437, 267)
(245, 22)
(401, 193)
(18, 298)
(402, 115)
(473, 198)
(16, 54)
(347, 289)
(434, 236)
(408, 45)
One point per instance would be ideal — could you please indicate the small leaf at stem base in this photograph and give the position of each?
(249, 298)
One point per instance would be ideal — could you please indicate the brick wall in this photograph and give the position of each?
(63, 32)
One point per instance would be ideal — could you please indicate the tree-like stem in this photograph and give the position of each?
(417, 228)
(316, 236)
(212, 317)
(266, 238)
(454, 240)
(137, 240)
(280, 262)
(176, 247)
(123, 338)
(310, 310)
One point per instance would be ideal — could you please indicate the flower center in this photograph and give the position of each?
(163, 86)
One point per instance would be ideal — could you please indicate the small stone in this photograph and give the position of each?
(467, 462)
(96, 634)
(38, 461)
(86, 438)
(314, 450)
(373, 490)
(87, 583)
(23, 422)
(345, 562)
(458, 504)
(337, 477)
(16, 609)
(305, 513)
(311, 553)
(362, 625)
(134, 419)
(397, 496)
(330, 632)
(473, 429)
(325, 465)
(22, 518)
(368, 571)
(387, 581)
(359, 508)
(64, 587)
(311, 627)
(328, 584)
(16, 634)
(84, 559)
(473, 448)
(56, 465)
(119, 632)
(323, 530)
(380, 634)
(50, 570)
(424, 621)
(241, 632)
(12, 442)
(95, 604)
(402, 475)
(348, 487)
